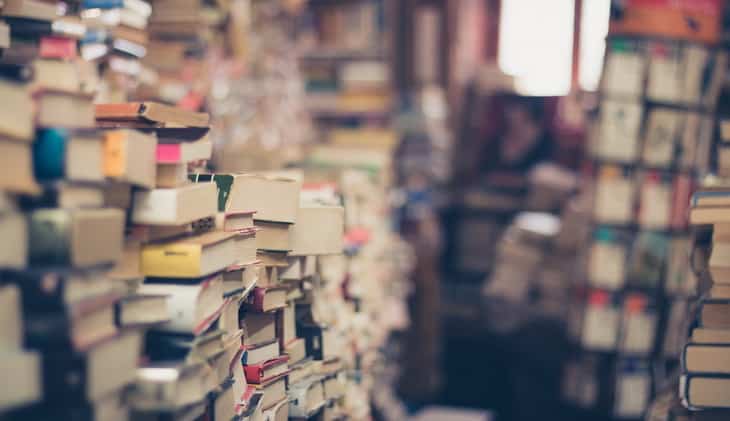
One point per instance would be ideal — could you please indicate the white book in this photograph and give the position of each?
(177, 206)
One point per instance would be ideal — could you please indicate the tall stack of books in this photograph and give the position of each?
(652, 137)
(705, 374)
(59, 250)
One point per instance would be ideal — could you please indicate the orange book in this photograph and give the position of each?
(150, 114)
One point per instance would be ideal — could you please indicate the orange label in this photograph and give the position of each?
(115, 154)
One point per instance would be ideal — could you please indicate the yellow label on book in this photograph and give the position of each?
(171, 260)
(115, 154)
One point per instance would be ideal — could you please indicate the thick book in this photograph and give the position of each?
(107, 367)
(192, 307)
(129, 156)
(51, 291)
(260, 353)
(189, 257)
(699, 392)
(266, 299)
(714, 313)
(170, 176)
(273, 236)
(706, 358)
(274, 391)
(274, 199)
(17, 122)
(258, 327)
(68, 195)
(142, 310)
(246, 243)
(78, 326)
(59, 154)
(188, 347)
(150, 114)
(267, 371)
(11, 331)
(238, 221)
(30, 9)
(176, 206)
(64, 109)
(75, 237)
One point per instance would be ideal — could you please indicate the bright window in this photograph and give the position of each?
(536, 44)
(593, 31)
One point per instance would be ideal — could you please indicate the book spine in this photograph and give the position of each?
(255, 300)
(49, 154)
(64, 378)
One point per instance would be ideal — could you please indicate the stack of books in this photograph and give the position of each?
(705, 375)
(59, 250)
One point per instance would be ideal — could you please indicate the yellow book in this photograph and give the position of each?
(190, 257)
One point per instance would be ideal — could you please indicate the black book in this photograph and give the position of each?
(313, 338)
(17, 72)
(28, 29)
(81, 377)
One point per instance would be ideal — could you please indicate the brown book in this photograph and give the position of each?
(16, 167)
(30, 9)
(63, 109)
(16, 111)
(152, 114)
(4, 35)
(136, 36)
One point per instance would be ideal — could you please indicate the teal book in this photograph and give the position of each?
(49, 154)
(50, 233)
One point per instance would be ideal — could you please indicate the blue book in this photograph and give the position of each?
(102, 4)
(49, 154)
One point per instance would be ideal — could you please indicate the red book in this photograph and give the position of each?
(58, 48)
(267, 371)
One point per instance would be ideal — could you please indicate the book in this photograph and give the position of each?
(13, 255)
(296, 350)
(25, 368)
(261, 352)
(192, 308)
(267, 371)
(278, 411)
(319, 230)
(333, 387)
(704, 335)
(259, 327)
(63, 109)
(601, 322)
(266, 299)
(706, 358)
(615, 195)
(704, 392)
(274, 199)
(57, 154)
(52, 47)
(150, 114)
(237, 221)
(129, 156)
(16, 167)
(189, 257)
(273, 236)
(714, 313)
(107, 367)
(17, 122)
(274, 391)
(78, 326)
(638, 325)
(246, 244)
(30, 9)
(619, 131)
(56, 75)
(76, 237)
(142, 310)
(176, 206)
(607, 259)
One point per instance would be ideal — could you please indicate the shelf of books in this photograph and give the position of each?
(652, 141)
(144, 274)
